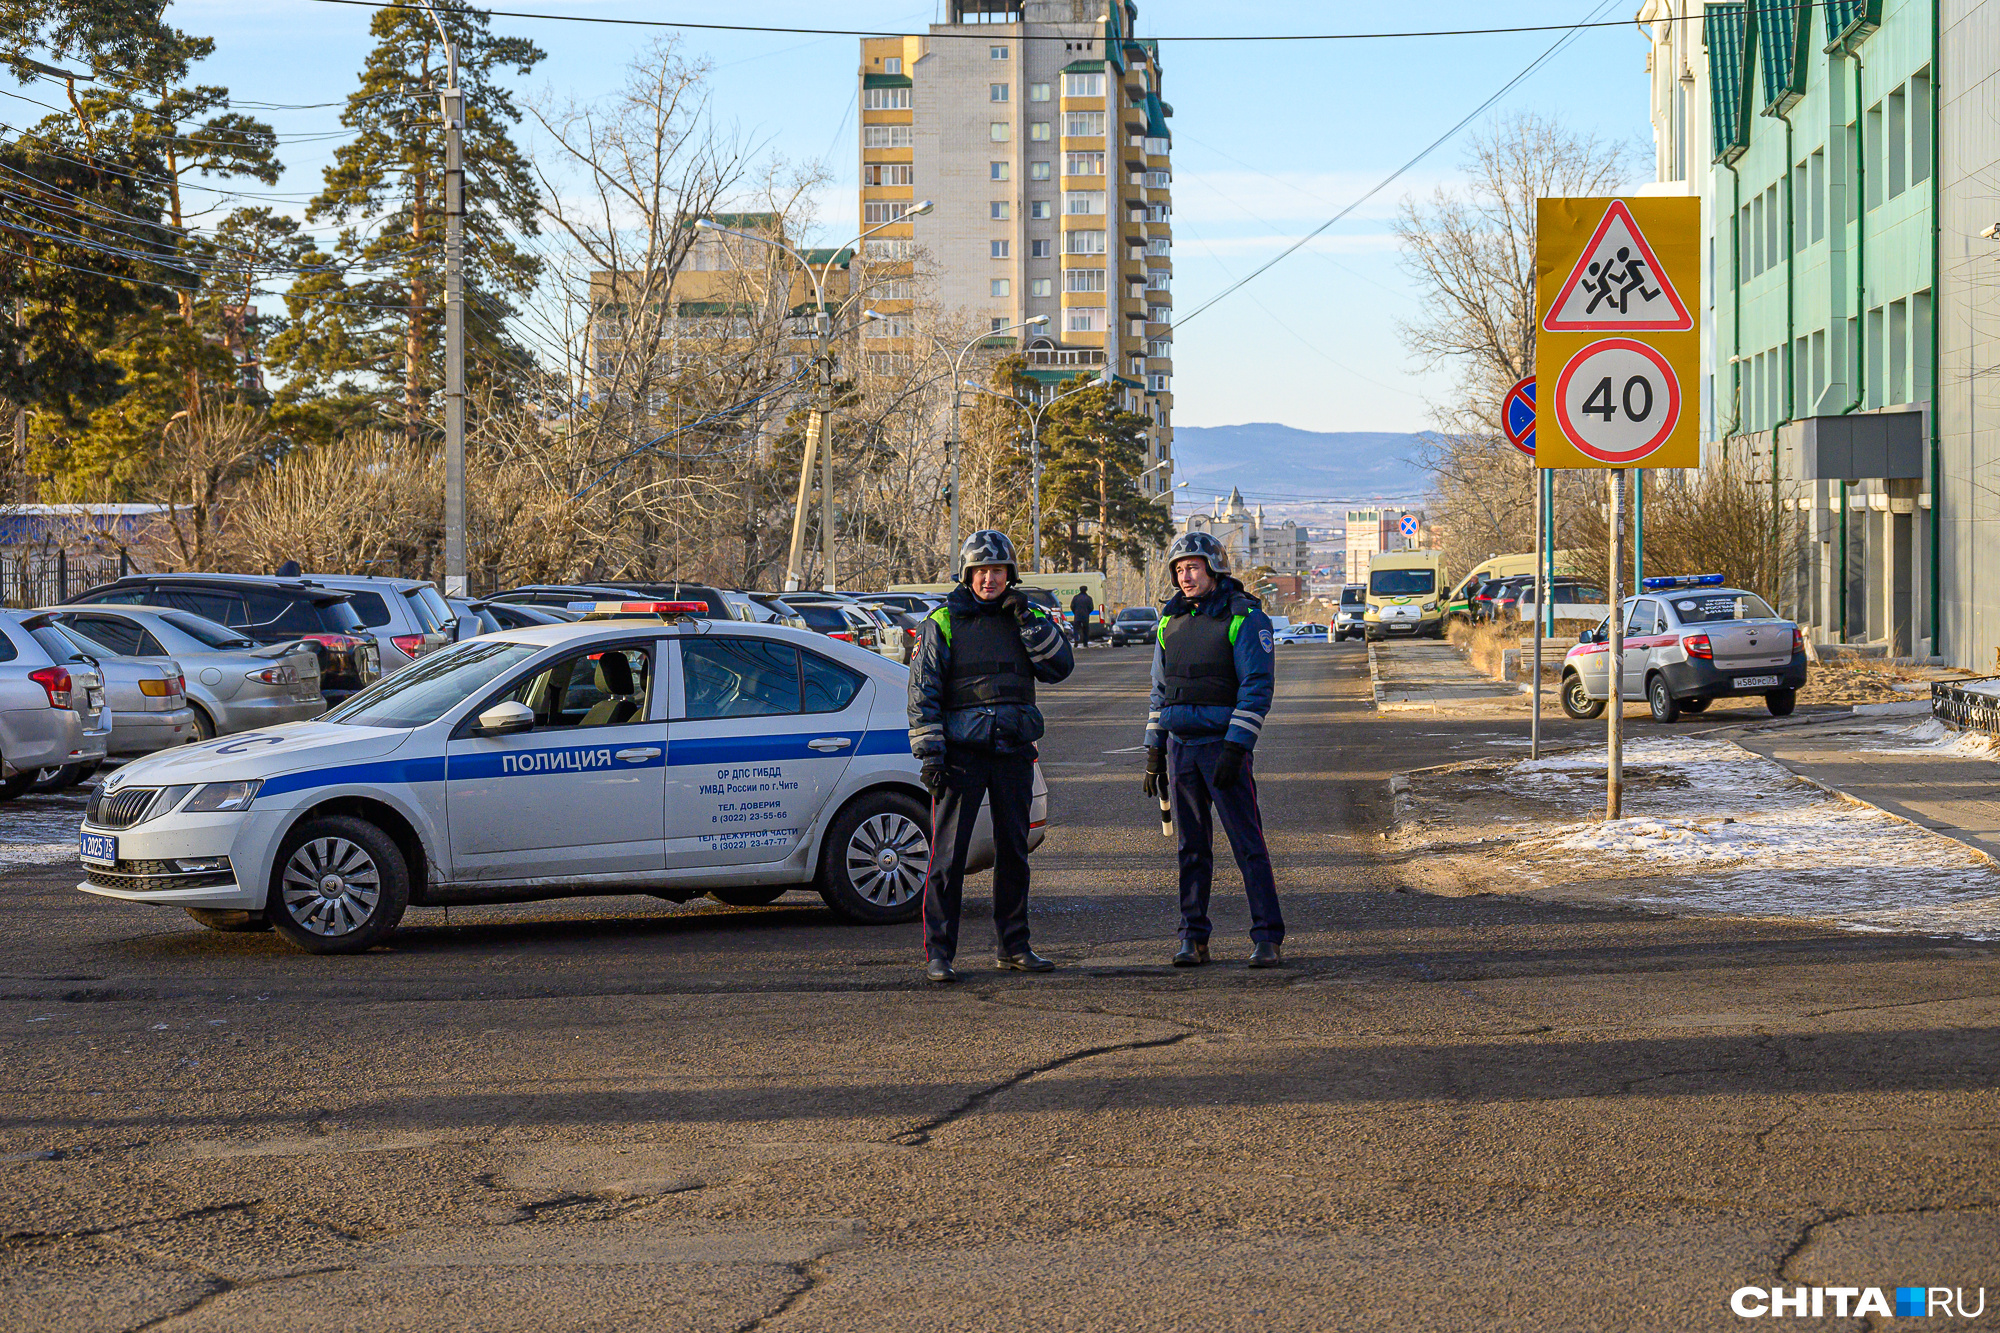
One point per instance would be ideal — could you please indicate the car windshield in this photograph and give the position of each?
(1707, 606)
(1138, 613)
(1401, 582)
(1354, 596)
(421, 694)
(207, 632)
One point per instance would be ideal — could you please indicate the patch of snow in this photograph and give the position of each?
(39, 830)
(1932, 737)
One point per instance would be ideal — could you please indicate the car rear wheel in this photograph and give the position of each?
(340, 885)
(872, 866)
(1666, 709)
(750, 895)
(1781, 702)
(1576, 703)
(229, 922)
(204, 725)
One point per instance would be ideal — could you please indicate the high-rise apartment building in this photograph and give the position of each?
(1037, 129)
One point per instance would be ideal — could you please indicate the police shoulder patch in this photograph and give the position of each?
(1264, 637)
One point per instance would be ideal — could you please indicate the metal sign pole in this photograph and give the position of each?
(1542, 591)
(1614, 666)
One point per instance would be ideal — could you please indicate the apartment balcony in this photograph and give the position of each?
(1064, 357)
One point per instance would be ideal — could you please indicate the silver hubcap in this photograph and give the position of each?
(886, 859)
(331, 886)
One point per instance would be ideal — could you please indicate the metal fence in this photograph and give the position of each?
(47, 578)
(1962, 709)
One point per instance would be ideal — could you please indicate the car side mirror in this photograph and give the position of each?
(506, 718)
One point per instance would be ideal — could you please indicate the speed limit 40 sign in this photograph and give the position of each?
(1616, 285)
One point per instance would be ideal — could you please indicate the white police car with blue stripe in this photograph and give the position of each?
(647, 754)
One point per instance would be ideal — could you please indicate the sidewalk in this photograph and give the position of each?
(1910, 767)
(1409, 676)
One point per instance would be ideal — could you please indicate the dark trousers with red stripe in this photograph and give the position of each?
(1192, 764)
(1007, 781)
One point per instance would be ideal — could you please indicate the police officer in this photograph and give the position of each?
(1213, 673)
(974, 724)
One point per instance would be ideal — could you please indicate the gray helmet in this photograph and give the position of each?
(1206, 547)
(987, 547)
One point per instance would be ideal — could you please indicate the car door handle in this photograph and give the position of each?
(643, 752)
(828, 744)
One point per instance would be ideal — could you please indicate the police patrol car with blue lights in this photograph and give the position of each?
(640, 750)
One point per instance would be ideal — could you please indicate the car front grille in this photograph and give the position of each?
(151, 876)
(120, 809)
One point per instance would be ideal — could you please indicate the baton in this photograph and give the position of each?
(1166, 810)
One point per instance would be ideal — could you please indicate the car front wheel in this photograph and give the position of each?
(1666, 709)
(340, 885)
(1576, 702)
(1781, 702)
(876, 855)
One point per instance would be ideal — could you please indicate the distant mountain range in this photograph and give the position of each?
(1283, 466)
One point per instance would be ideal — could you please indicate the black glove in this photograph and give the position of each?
(1155, 781)
(1016, 604)
(1229, 767)
(933, 776)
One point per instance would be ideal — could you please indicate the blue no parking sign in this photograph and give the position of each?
(1518, 418)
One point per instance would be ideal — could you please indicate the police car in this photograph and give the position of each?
(640, 750)
(1688, 641)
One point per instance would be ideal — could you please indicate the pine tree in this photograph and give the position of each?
(1095, 453)
(375, 316)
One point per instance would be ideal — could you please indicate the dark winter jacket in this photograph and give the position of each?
(1007, 728)
(1249, 635)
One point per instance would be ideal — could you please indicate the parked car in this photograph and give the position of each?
(1572, 598)
(837, 620)
(483, 617)
(777, 611)
(269, 610)
(1688, 642)
(53, 713)
(231, 683)
(1308, 632)
(406, 617)
(1135, 624)
(1349, 622)
(915, 603)
(1486, 602)
(562, 594)
(145, 702)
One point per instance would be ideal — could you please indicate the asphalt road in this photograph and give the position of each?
(1464, 1113)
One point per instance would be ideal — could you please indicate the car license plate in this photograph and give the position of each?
(1756, 682)
(100, 848)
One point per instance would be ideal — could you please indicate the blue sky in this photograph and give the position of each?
(1270, 140)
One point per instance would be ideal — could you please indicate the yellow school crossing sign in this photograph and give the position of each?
(1617, 352)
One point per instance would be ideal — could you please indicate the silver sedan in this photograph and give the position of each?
(232, 684)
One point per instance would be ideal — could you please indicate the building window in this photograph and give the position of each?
(1041, 209)
(1038, 92)
(893, 248)
(999, 131)
(1000, 210)
(891, 289)
(1160, 314)
(1041, 249)
(1038, 171)
(1083, 85)
(889, 326)
(1156, 382)
(997, 92)
(1039, 131)
(1160, 245)
(1157, 147)
(1159, 212)
(1079, 124)
(1920, 127)
(884, 210)
(998, 171)
(1816, 190)
(893, 65)
(1084, 319)
(1001, 287)
(1898, 131)
(1083, 164)
(888, 173)
(885, 99)
(1000, 249)
(1160, 349)
(1000, 324)
(1042, 286)
(1083, 279)
(1083, 242)
(1081, 203)
(1158, 180)
(998, 53)
(1159, 280)
(888, 136)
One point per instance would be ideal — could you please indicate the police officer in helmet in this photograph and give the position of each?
(1213, 674)
(974, 724)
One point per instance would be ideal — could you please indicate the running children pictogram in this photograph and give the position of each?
(1618, 285)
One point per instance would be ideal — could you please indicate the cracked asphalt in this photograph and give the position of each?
(1446, 1113)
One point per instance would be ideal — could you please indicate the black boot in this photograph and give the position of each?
(1192, 953)
(940, 969)
(1267, 955)
(1025, 961)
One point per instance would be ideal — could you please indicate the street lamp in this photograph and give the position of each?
(819, 429)
(1035, 448)
(957, 397)
(1169, 495)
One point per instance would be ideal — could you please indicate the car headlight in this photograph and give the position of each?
(218, 797)
(1430, 606)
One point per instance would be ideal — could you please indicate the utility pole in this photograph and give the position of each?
(454, 324)
(823, 328)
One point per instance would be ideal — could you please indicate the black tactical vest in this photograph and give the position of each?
(1200, 659)
(989, 663)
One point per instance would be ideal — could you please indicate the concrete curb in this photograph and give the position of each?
(1900, 708)
(1375, 674)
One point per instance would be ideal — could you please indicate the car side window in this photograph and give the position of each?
(740, 678)
(830, 687)
(223, 608)
(608, 687)
(374, 612)
(1639, 619)
(121, 636)
(8, 650)
(150, 646)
